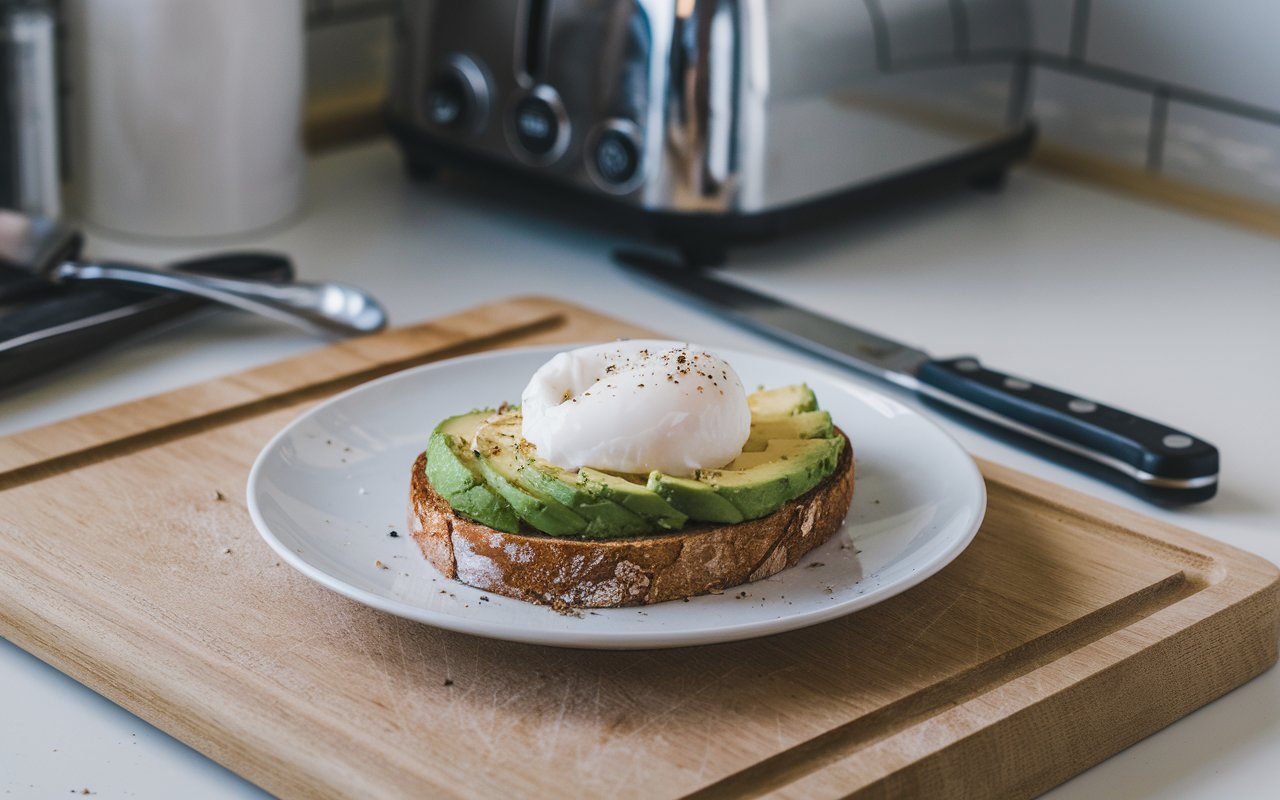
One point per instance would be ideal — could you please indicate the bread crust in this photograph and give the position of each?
(594, 573)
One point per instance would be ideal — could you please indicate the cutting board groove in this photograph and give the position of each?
(914, 710)
(1068, 630)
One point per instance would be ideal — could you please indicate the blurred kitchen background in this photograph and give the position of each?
(1174, 99)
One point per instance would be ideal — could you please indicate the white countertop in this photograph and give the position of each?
(1166, 314)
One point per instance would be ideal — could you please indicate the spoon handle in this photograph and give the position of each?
(332, 308)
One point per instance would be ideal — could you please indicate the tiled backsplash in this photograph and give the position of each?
(1184, 89)
(1187, 89)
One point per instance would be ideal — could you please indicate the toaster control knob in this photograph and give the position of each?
(617, 157)
(540, 125)
(613, 155)
(457, 99)
(447, 101)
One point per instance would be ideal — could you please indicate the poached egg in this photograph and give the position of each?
(636, 406)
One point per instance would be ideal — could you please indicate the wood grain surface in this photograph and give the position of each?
(1068, 630)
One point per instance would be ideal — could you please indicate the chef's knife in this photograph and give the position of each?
(1158, 461)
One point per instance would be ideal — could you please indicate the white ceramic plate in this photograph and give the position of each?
(328, 490)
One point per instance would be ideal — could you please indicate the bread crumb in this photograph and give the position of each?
(564, 609)
(226, 551)
(380, 565)
(219, 496)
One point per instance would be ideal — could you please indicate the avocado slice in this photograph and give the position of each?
(754, 484)
(782, 402)
(759, 483)
(805, 425)
(454, 474)
(801, 462)
(633, 496)
(697, 499)
(786, 450)
(539, 477)
(495, 453)
(605, 518)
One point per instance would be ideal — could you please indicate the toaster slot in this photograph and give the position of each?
(534, 57)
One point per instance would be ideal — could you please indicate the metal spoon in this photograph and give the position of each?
(333, 308)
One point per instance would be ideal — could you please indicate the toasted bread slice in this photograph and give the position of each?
(593, 573)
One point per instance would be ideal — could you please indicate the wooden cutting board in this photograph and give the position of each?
(1068, 630)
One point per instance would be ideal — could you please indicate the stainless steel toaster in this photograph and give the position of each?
(715, 121)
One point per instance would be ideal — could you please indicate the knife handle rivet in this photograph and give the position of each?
(1016, 384)
(1176, 441)
(1082, 406)
(967, 365)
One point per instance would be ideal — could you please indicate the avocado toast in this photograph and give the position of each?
(486, 510)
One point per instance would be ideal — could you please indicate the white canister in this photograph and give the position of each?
(185, 117)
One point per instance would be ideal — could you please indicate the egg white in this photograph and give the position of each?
(637, 406)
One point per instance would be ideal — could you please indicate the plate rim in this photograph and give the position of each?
(608, 640)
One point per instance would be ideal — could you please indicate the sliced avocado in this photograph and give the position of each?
(495, 450)
(697, 499)
(481, 465)
(540, 478)
(605, 518)
(454, 474)
(798, 464)
(634, 497)
(755, 493)
(782, 402)
(805, 425)
(754, 484)
(785, 450)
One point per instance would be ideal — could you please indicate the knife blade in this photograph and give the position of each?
(1153, 460)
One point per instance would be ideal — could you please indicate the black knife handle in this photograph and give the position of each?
(1149, 452)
